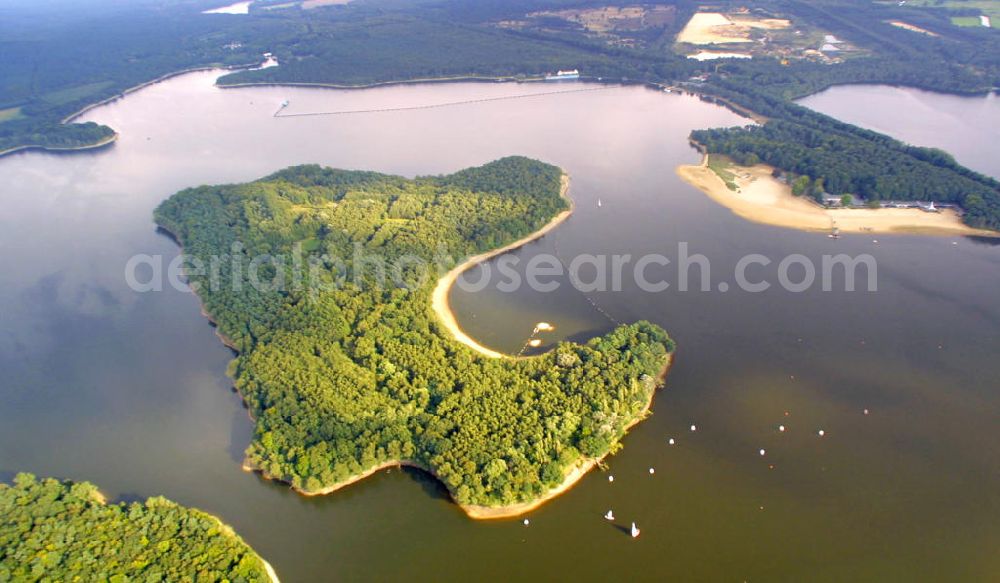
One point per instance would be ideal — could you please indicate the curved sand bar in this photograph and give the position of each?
(440, 306)
(761, 198)
(439, 297)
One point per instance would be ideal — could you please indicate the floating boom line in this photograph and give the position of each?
(439, 105)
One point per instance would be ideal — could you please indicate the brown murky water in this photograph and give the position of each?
(128, 390)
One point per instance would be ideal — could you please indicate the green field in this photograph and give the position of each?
(71, 94)
(989, 8)
(10, 113)
(965, 21)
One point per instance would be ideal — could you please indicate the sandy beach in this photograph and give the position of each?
(574, 475)
(439, 297)
(441, 307)
(761, 198)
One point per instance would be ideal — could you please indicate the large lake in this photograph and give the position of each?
(129, 390)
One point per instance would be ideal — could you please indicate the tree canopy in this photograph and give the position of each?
(343, 374)
(64, 531)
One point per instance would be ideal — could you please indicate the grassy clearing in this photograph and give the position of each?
(77, 93)
(10, 113)
(720, 165)
(965, 21)
(989, 8)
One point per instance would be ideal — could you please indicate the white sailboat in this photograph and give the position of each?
(609, 516)
(635, 531)
(598, 202)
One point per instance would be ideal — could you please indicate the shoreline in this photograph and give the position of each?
(439, 297)
(763, 199)
(478, 512)
(120, 95)
(376, 84)
(574, 474)
(125, 92)
(230, 532)
(226, 529)
(64, 149)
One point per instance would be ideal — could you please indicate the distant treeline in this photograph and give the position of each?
(83, 55)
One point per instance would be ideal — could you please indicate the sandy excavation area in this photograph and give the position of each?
(761, 198)
(707, 28)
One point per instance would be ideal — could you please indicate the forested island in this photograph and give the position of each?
(345, 374)
(64, 531)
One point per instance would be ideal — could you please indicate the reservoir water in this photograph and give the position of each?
(968, 128)
(129, 390)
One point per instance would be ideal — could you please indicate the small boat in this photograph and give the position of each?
(635, 531)
(571, 74)
(598, 202)
(609, 516)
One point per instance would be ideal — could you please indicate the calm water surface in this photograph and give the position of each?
(967, 128)
(128, 390)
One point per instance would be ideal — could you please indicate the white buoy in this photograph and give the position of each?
(694, 428)
(781, 428)
(671, 441)
(652, 471)
(635, 531)
(611, 478)
(866, 411)
(762, 452)
(526, 522)
(821, 433)
(609, 516)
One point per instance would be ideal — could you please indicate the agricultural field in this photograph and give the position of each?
(968, 12)
(627, 26)
(743, 34)
(707, 28)
(71, 94)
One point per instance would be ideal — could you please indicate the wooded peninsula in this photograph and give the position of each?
(347, 373)
(64, 531)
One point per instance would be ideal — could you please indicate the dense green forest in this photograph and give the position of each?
(62, 531)
(343, 373)
(847, 163)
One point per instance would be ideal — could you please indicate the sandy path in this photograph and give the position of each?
(764, 199)
(439, 297)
